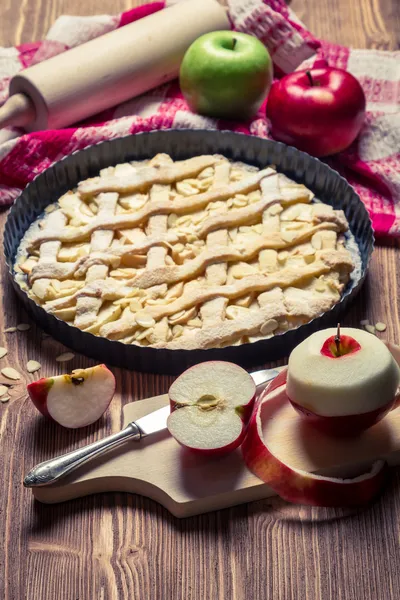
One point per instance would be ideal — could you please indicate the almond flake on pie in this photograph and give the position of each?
(192, 254)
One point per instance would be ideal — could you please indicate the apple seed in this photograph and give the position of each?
(208, 402)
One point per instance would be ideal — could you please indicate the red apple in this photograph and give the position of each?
(211, 404)
(293, 484)
(343, 385)
(320, 111)
(74, 400)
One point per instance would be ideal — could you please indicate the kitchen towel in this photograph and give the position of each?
(371, 164)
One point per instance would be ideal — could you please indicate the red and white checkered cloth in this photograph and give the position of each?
(371, 164)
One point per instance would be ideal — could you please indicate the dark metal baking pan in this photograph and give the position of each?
(327, 185)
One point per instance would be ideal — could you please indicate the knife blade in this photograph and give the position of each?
(53, 470)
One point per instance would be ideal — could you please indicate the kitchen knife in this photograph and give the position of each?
(52, 470)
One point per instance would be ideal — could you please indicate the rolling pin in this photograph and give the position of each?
(110, 69)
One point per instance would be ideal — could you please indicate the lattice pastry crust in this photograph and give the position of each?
(193, 254)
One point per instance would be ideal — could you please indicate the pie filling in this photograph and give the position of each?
(200, 253)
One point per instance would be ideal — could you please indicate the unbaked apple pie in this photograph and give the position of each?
(198, 253)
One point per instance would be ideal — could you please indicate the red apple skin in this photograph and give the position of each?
(321, 119)
(38, 391)
(348, 345)
(298, 486)
(216, 452)
(346, 425)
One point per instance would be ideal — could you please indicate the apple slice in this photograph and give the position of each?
(74, 400)
(211, 404)
(295, 485)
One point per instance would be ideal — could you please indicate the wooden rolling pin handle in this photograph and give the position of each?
(113, 68)
(17, 111)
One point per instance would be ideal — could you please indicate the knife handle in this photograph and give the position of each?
(52, 470)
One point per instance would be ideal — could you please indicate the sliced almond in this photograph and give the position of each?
(370, 329)
(65, 357)
(269, 327)
(172, 219)
(32, 366)
(135, 305)
(3, 352)
(177, 331)
(239, 202)
(288, 236)
(293, 226)
(178, 248)
(380, 326)
(23, 326)
(10, 373)
(10, 330)
(291, 213)
(183, 316)
(3, 390)
(176, 316)
(316, 241)
(5, 399)
(144, 334)
(145, 321)
(275, 209)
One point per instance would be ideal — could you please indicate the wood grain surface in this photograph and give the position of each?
(119, 546)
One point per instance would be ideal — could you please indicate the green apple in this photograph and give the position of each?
(226, 74)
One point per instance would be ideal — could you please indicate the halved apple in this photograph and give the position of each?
(74, 400)
(342, 384)
(293, 484)
(211, 404)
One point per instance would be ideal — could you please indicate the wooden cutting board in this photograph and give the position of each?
(186, 484)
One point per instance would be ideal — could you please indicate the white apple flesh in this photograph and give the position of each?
(211, 404)
(345, 391)
(74, 400)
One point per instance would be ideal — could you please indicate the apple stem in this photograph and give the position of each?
(234, 43)
(310, 79)
(337, 339)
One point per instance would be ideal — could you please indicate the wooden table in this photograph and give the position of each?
(119, 546)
